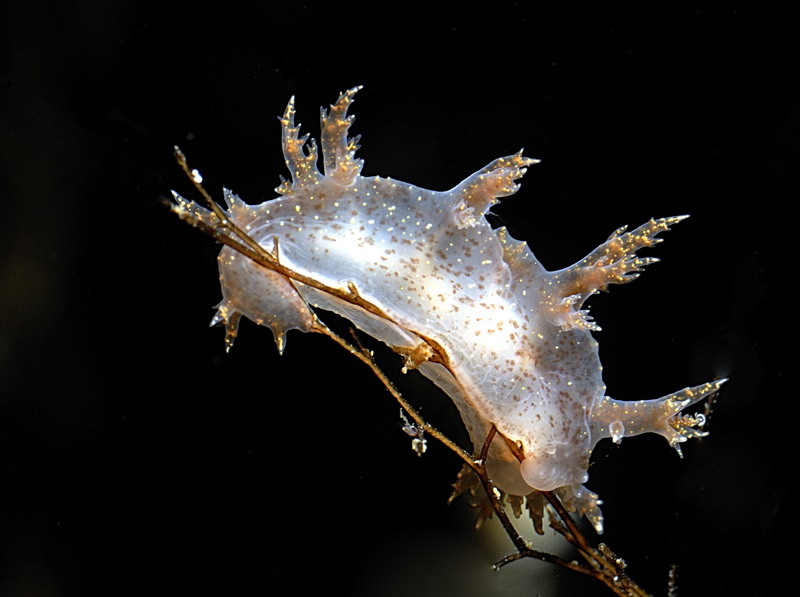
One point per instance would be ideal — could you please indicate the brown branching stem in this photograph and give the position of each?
(365, 356)
(601, 563)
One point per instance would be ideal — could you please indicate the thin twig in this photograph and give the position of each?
(224, 220)
(254, 251)
(487, 443)
(599, 565)
(366, 358)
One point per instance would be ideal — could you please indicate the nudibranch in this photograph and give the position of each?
(470, 307)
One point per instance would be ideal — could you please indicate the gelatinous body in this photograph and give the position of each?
(511, 344)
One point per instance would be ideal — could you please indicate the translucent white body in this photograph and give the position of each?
(514, 348)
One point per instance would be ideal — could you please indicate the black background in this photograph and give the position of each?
(136, 457)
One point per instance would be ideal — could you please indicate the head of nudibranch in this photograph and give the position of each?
(555, 408)
(549, 461)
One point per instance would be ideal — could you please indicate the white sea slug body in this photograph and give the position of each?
(513, 347)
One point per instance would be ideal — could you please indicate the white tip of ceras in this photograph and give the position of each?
(179, 204)
(280, 339)
(231, 199)
(525, 161)
(349, 94)
(670, 220)
(683, 427)
(230, 319)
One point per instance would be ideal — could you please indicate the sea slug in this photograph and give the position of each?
(470, 307)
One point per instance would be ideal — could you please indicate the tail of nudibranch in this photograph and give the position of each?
(617, 419)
